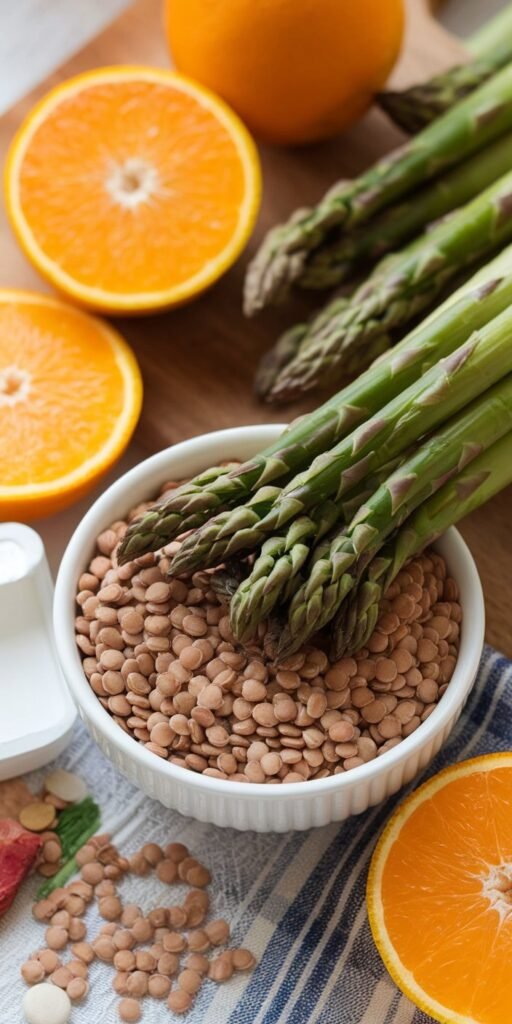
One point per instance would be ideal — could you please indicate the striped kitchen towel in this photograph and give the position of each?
(296, 900)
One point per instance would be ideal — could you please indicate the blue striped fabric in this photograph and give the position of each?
(320, 965)
(297, 900)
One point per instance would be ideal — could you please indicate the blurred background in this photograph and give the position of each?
(38, 35)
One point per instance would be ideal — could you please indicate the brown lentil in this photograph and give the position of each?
(49, 959)
(76, 930)
(217, 932)
(56, 937)
(221, 967)
(242, 959)
(61, 977)
(159, 986)
(129, 1010)
(84, 951)
(137, 984)
(179, 1001)
(32, 972)
(77, 988)
(77, 969)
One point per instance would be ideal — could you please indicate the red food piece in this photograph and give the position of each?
(18, 851)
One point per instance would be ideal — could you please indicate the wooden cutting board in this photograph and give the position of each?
(198, 362)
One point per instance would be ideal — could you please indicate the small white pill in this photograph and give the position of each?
(66, 785)
(46, 1004)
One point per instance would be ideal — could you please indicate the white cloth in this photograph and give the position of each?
(295, 900)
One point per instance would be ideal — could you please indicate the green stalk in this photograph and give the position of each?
(491, 34)
(282, 557)
(488, 474)
(444, 389)
(471, 125)
(280, 560)
(414, 108)
(210, 493)
(491, 49)
(390, 299)
(334, 262)
(442, 455)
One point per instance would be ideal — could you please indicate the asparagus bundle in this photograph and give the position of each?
(485, 476)
(414, 108)
(282, 557)
(393, 296)
(217, 490)
(333, 262)
(280, 560)
(482, 117)
(333, 575)
(443, 390)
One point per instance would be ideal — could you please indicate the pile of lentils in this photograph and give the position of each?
(160, 656)
(160, 954)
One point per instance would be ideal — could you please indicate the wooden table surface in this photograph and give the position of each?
(198, 361)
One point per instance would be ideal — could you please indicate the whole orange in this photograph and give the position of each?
(295, 70)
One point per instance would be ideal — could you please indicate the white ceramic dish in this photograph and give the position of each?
(37, 716)
(240, 805)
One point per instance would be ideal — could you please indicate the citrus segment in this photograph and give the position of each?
(440, 893)
(70, 396)
(132, 188)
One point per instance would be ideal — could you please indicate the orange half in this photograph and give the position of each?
(70, 397)
(132, 188)
(440, 893)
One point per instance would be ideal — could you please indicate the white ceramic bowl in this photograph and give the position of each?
(240, 805)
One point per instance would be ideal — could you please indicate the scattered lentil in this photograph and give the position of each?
(221, 967)
(49, 960)
(242, 959)
(129, 1010)
(159, 986)
(32, 972)
(56, 937)
(77, 989)
(179, 1001)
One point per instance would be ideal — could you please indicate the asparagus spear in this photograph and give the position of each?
(391, 298)
(308, 437)
(473, 123)
(282, 557)
(491, 47)
(416, 107)
(488, 474)
(277, 357)
(164, 521)
(444, 389)
(442, 455)
(287, 347)
(279, 561)
(332, 263)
